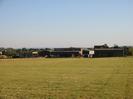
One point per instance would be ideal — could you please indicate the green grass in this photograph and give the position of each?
(70, 78)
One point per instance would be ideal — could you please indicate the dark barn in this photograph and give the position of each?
(65, 52)
(109, 52)
(67, 49)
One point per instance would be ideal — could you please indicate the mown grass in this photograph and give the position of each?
(71, 78)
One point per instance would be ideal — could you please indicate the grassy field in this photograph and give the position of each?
(70, 78)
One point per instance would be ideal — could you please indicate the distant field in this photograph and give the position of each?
(70, 78)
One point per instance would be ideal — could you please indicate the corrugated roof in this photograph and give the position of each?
(108, 49)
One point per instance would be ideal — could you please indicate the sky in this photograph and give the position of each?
(65, 23)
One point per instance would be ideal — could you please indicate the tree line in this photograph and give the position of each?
(21, 52)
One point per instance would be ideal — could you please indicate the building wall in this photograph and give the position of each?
(64, 54)
(108, 52)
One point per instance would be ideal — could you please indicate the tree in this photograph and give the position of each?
(116, 46)
(10, 52)
(106, 46)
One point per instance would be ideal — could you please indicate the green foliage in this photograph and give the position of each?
(101, 78)
(10, 52)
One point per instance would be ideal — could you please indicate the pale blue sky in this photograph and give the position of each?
(65, 23)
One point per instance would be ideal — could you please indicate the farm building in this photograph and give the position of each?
(67, 49)
(105, 51)
(65, 52)
(108, 52)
